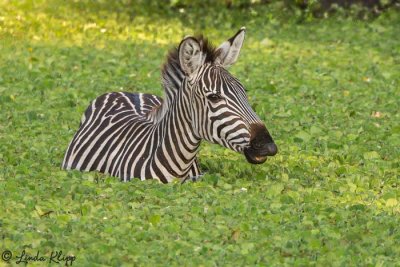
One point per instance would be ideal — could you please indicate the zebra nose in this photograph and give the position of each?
(268, 149)
(272, 149)
(261, 141)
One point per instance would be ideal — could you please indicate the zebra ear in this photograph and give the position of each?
(190, 55)
(229, 50)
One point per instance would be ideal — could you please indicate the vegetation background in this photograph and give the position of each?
(324, 78)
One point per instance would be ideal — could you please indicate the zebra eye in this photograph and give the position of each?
(214, 97)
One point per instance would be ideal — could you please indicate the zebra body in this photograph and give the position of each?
(141, 135)
(120, 135)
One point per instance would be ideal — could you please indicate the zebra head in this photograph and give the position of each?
(219, 107)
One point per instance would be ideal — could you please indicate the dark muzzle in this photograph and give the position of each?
(261, 145)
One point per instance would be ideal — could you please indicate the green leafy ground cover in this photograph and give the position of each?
(327, 89)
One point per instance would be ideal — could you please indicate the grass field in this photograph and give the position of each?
(327, 89)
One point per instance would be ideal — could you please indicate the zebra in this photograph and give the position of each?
(138, 135)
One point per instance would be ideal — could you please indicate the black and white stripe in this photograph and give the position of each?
(139, 135)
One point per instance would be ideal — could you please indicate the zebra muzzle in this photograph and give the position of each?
(261, 145)
(258, 156)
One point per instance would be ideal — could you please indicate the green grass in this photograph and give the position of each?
(328, 91)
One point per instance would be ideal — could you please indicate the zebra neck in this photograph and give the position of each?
(177, 145)
(172, 76)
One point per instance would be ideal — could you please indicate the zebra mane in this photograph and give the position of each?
(172, 73)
